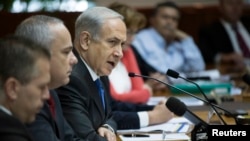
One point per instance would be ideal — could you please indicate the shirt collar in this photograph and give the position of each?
(158, 37)
(228, 25)
(5, 110)
(94, 76)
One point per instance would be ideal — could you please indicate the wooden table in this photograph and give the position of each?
(203, 113)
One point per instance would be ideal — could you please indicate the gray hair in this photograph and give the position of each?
(92, 20)
(37, 28)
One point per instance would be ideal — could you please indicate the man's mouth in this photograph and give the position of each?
(111, 63)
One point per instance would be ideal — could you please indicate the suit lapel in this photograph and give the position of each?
(58, 116)
(86, 78)
(53, 122)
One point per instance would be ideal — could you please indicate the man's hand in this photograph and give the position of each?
(148, 87)
(106, 133)
(160, 114)
(232, 62)
(179, 35)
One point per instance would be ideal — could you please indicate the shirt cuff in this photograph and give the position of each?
(108, 127)
(217, 58)
(143, 118)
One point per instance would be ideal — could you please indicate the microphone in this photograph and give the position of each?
(246, 78)
(176, 75)
(180, 109)
(131, 74)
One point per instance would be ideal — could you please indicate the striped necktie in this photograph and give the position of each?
(242, 44)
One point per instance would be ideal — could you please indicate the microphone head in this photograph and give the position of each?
(131, 74)
(172, 73)
(246, 78)
(176, 106)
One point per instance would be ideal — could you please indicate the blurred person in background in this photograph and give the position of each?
(122, 87)
(163, 46)
(226, 41)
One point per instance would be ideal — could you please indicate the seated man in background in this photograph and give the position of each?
(24, 78)
(221, 43)
(122, 87)
(100, 34)
(163, 46)
(50, 124)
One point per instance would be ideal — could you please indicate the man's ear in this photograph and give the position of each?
(85, 40)
(11, 88)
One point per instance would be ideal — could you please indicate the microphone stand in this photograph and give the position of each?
(217, 113)
(147, 77)
(200, 130)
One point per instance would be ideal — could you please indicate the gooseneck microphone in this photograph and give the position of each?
(131, 74)
(176, 75)
(180, 109)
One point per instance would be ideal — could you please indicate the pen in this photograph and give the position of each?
(135, 135)
(182, 125)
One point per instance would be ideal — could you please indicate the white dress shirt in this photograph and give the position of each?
(242, 30)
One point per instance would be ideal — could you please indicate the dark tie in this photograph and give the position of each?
(101, 91)
(241, 42)
(51, 103)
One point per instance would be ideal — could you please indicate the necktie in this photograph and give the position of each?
(101, 91)
(51, 103)
(241, 42)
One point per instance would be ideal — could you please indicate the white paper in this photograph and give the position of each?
(187, 100)
(157, 137)
(175, 125)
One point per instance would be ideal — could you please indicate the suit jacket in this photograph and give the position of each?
(11, 129)
(83, 109)
(46, 128)
(214, 39)
(82, 106)
(144, 67)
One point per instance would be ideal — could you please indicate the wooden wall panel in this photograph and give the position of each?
(193, 18)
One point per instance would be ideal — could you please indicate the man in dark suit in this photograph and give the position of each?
(219, 42)
(24, 82)
(99, 36)
(98, 52)
(50, 124)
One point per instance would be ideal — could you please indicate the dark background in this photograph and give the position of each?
(192, 19)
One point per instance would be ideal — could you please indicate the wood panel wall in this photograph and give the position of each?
(193, 18)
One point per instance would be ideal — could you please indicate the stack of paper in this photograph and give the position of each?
(187, 100)
(174, 129)
(158, 137)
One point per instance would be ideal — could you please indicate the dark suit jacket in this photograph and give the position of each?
(84, 111)
(125, 114)
(46, 128)
(11, 129)
(214, 39)
(144, 67)
(82, 106)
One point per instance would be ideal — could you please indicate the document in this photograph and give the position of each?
(175, 125)
(158, 137)
(187, 100)
(174, 129)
